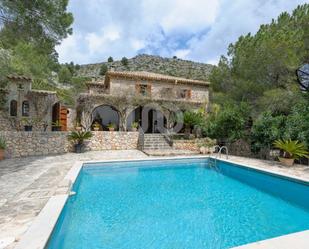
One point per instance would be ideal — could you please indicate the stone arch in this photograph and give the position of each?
(105, 115)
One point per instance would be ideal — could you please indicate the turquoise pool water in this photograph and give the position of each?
(178, 204)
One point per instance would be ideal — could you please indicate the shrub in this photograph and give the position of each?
(227, 124)
(78, 137)
(110, 59)
(191, 119)
(266, 129)
(103, 69)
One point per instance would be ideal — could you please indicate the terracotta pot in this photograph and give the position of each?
(96, 128)
(1, 154)
(78, 128)
(133, 129)
(286, 161)
(111, 129)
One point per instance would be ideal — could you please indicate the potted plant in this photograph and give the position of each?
(96, 126)
(56, 126)
(78, 138)
(291, 150)
(27, 123)
(207, 145)
(2, 147)
(111, 126)
(134, 126)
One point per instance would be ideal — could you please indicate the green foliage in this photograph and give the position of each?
(229, 123)
(292, 149)
(134, 125)
(78, 137)
(125, 61)
(266, 129)
(42, 23)
(191, 118)
(2, 143)
(265, 61)
(110, 59)
(64, 75)
(103, 69)
(297, 123)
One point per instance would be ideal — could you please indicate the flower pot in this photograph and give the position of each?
(133, 129)
(56, 128)
(28, 127)
(286, 161)
(96, 128)
(78, 128)
(79, 148)
(1, 154)
(111, 129)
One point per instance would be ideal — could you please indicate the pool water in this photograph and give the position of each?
(177, 204)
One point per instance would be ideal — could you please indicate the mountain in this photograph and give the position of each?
(151, 63)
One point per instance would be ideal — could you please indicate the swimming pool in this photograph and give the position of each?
(178, 204)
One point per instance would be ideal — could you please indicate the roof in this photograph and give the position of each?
(19, 77)
(142, 75)
(43, 92)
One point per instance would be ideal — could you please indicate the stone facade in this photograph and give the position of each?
(25, 106)
(113, 141)
(192, 144)
(20, 144)
(140, 97)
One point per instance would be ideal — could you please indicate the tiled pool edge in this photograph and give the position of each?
(39, 232)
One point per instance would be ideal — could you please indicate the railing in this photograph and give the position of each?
(220, 152)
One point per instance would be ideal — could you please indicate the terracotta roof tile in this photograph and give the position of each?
(154, 76)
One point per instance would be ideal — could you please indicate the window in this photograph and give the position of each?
(25, 108)
(143, 89)
(20, 86)
(13, 108)
(184, 94)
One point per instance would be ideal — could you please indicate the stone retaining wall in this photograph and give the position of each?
(20, 144)
(113, 140)
(191, 144)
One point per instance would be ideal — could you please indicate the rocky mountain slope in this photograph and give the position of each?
(155, 64)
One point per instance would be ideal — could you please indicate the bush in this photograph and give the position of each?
(297, 124)
(103, 69)
(228, 124)
(110, 59)
(266, 129)
(191, 119)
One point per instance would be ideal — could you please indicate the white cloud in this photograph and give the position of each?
(198, 29)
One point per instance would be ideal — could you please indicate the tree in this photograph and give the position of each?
(43, 23)
(125, 61)
(64, 75)
(103, 69)
(110, 59)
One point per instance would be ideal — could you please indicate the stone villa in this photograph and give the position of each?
(152, 100)
(29, 109)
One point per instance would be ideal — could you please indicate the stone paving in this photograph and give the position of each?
(26, 184)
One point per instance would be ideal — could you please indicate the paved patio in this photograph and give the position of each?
(26, 184)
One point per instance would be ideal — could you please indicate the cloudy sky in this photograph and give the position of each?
(198, 30)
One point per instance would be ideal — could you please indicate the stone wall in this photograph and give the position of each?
(113, 140)
(20, 144)
(191, 144)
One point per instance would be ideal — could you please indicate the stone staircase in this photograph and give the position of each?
(156, 142)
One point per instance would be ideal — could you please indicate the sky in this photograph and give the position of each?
(198, 30)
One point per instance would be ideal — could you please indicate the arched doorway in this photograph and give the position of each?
(106, 116)
(149, 119)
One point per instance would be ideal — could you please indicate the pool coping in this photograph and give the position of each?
(37, 236)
